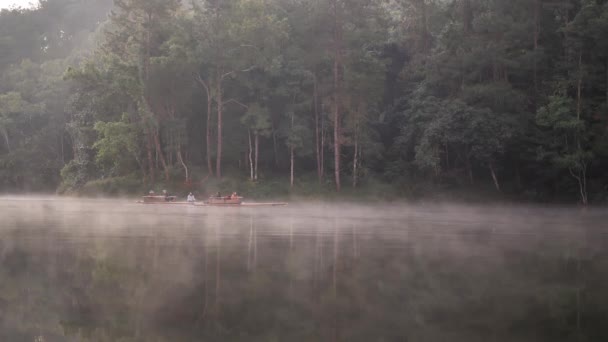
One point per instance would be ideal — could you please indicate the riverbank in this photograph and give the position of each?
(309, 189)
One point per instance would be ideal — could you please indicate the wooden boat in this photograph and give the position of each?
(228, 200)
(158, 199)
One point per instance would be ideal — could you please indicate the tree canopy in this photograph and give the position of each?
(497, 96)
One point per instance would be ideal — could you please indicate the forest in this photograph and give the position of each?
(507, 98)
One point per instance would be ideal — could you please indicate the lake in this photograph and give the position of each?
(114, 270)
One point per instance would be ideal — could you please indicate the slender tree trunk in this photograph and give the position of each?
(257, 153)
(496, 184)
(423, 25)
(62, 142)
(467, 16)
(322, 147)
(355, 160)
(150, 156)
(208, 136)
(250, 158)
(579, 87)
(291, 152)
(207, 86)
(291, 163)
(220, 105)
(316, 112)
(470, 170)
(6, 139)
(181, 161)
(336, 103)
(537, 8)
(156, 161)
(581, 170)
(274, 145)
(447, 156)
(146, 73)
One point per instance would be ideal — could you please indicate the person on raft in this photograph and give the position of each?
(191, 198)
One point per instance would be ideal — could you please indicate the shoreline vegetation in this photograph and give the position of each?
(473, 100)
(311, 190)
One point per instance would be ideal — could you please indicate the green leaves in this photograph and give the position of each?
(117, 147)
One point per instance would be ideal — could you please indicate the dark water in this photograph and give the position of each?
(117, 271)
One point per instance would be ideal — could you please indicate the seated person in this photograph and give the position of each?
(191, 198)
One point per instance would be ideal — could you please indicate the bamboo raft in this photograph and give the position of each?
(212, 202)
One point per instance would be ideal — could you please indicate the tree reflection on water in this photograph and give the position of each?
(105, 271)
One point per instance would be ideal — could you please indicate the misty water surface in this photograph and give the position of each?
(113, 270)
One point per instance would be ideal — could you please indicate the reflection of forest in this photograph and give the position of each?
(253, 277)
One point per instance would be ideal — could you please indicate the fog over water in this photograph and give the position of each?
(115, 270)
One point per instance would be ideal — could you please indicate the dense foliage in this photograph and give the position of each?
(419, 94)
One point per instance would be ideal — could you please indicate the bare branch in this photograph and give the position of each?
(227, 74)
(200, 80)
(236, 102)
(235, 71)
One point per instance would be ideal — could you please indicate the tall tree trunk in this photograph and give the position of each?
(422, 25)
(181, 161)
(467, 16)
(257, 153)
(469, 169)
(316, 112)
(149, 154)
(336, 103)
(62, 144)
(207, 86)
(250, 158)
(493, 173)
(323, 136)
(274, 145)
(291, 148)
(6, 139)
(355, 157)
(581, 172)
(208, 136)
(291, 166)
(220, 105)
(537, 8)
